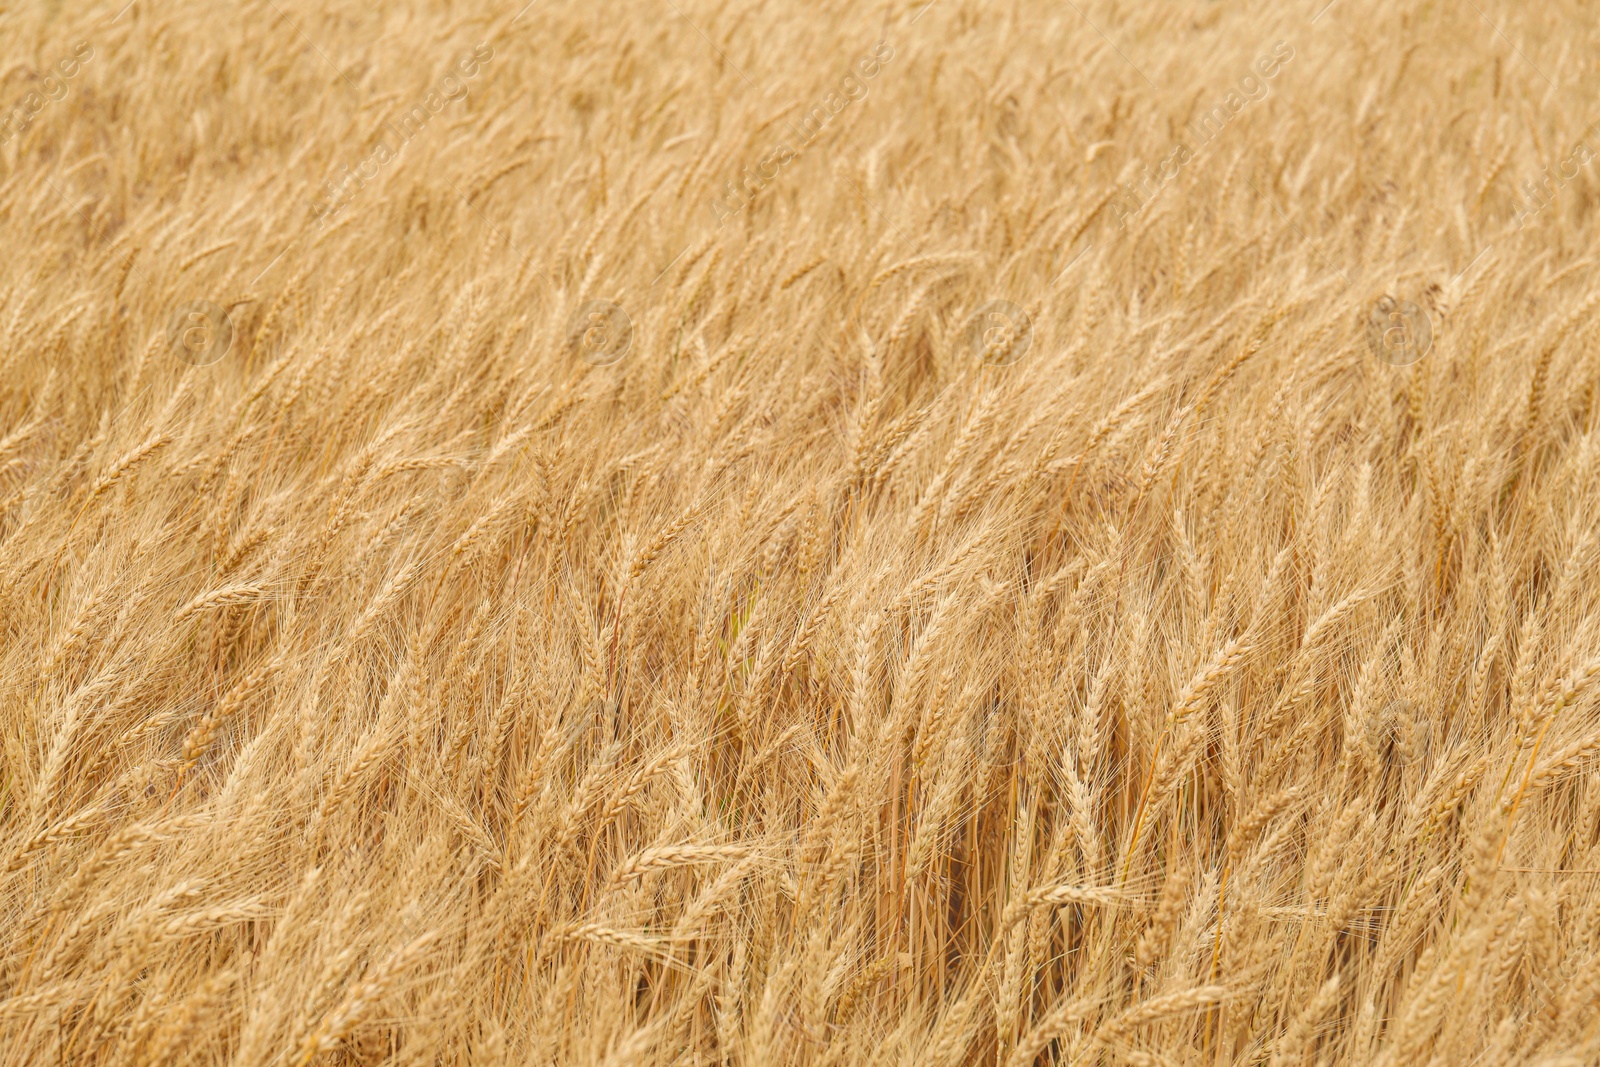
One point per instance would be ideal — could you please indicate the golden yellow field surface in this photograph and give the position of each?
(769, 533)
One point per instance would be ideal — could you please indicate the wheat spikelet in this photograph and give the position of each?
(129, 462)
(231, 596)
(200, 738)
(361, 998)
(655, 859)
(62, 830)
(1161, 1007)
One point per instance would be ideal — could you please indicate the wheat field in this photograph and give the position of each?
(756, 532)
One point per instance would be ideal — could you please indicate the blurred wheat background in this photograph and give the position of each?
(798, 683)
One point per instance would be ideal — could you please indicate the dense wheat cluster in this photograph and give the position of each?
(757, 532)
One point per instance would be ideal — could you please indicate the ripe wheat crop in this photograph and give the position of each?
(768, 533)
